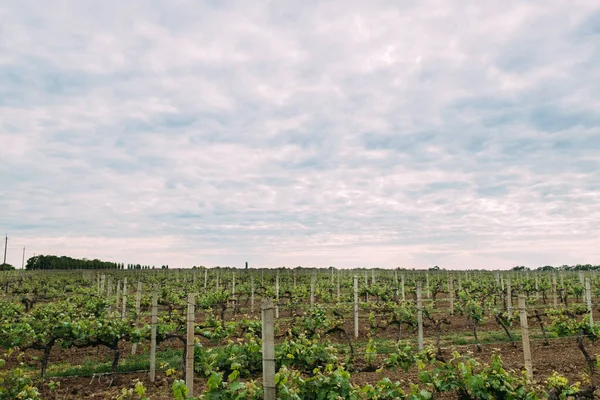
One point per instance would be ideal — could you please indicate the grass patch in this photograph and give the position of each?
(139, 362)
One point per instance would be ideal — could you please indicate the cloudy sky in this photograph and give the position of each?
(348, 133)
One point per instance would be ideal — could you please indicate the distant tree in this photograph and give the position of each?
(6, 267)
(520, 268)
(42, 262)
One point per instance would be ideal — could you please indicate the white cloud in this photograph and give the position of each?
(302, 133)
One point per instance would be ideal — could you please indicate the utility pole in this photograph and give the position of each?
(23, 261)
(5, 247)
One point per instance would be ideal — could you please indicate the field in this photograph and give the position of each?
(89, 334)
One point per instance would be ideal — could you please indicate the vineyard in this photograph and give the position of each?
(298, 333)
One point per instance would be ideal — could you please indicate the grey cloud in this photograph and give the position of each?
(302, 133)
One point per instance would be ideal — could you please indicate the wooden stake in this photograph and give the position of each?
(402, 286)
(277, 295)
(233, 290)
(189, 356)
(338, 286)
(356, 306)
(582, 281)
(124, 310)
(451, 294)
(508, 297)
(420, 317)
(252, 293)
(554, 294)
(153, 333)
(525, 337)
(312, 290)
(118, 297)
(268, 350)
(138, 303)
(588, 295)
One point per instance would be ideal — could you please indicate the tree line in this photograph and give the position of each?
(578, 267)
(42, 262)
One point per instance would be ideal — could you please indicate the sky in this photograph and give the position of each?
(463, 134)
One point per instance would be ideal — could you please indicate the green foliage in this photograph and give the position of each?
(403, 356)
(325, 383)
(215, 329)
(138, 392)
(244, 356)
(232, 389)
(564, 323)
(305, 354)
(559, 385)
(14, 385)
(370, 351)
(385, 389)
(470, 380)
(179, 389)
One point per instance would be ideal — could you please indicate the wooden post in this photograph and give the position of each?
(356, 306)
(252, 293)
(124, 310)
(338, 286)
(153, 333)
(525, 337)
(420, 317)
(118, 297)
(233, 283)
(277, 294)
(102, 283)
(312, 290)
(138, 303)
(205, 278)
(396, 283)
(554, 295)
(402, 286)
(268, 350)
(537, 286)
(582, 281)
(373, 277)
(508, 297)
(189, 356)
(588, 295)
(427, 287)
(451, 294)
(109, 293)
(233, 290)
